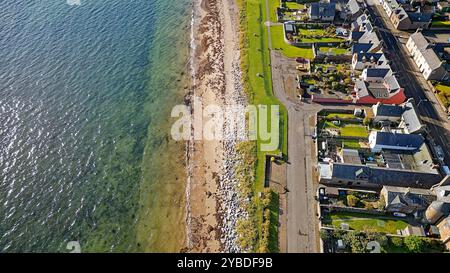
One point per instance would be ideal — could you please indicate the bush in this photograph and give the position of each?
(352, 200)
(397, 241)
(415, 244)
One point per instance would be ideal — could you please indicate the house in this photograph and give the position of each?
(414, 231)
(378, 85)
(320, 11)
(386, 112)
(406, 115)
(372, 93)
(371, 177)
(354, 9)
(429, 63)
(439, 208)
(390, 6)
(379, 141)
(410, 120)
(362, 60)
(406, 200)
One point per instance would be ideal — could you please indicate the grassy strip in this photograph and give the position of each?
(255, 60)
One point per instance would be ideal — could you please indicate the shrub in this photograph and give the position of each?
(352, 200)
(415, 244)
(397, 241)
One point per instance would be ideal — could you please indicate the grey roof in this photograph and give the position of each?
(377, 72)
(411, 118)
(369, 56)
(354, 6)
(409, 196)
(361, 47)
(399, 140)
(432, 58)
(419, 40)
(289, 27)
(391, 82)
(420, 17)
(356, 35)
(387, 110)
(384, 176)
(361, 86)
(323, 9)
(370, 37)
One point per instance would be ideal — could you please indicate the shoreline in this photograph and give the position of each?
(212, 202)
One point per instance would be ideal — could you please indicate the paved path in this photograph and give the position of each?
(302, 223)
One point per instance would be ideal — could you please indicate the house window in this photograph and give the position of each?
(349, 183)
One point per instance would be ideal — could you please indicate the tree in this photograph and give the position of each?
(415, 244)
(357, 241)
(352, 200)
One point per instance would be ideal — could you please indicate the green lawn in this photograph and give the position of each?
(340, 115)
(294, 5)
(290, 51)
(444, 93)
(441, 23)
(366, 222)
(347, 129)
(335, 50)
(352, 130)
(273, 5)
(256, 59)
(351, 144)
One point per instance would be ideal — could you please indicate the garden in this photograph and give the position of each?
(358, 242)
(308, 34)
(364, 222)
(443, 92)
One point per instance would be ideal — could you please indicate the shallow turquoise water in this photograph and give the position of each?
(81, 90)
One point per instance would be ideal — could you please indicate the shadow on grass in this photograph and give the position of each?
(274, 208)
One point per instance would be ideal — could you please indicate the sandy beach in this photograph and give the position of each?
(212, 201)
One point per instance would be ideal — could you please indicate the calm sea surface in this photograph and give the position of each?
(85, 98)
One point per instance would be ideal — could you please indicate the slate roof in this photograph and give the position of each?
(432, 58)
(356, 35)
(409, 196)
(377, 72)
(419, 16)
(323, 9)
(384, 176)
(361, 47)
(399, 140)
(387, 110)
(419, 40)
(354, 6)
(369, 56)
(411, 118)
